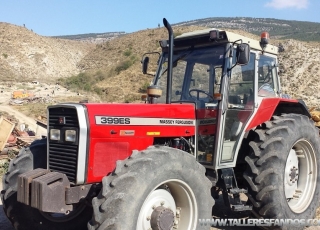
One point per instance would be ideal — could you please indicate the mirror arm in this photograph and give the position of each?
(229, 69)
(149, 53)
(240, 40)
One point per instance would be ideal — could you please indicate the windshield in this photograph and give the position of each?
(195, 72)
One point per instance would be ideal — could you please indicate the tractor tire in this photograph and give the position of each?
(283, 169)
(158, 188)
(24, 217)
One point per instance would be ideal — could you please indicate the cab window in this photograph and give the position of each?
(267, 84)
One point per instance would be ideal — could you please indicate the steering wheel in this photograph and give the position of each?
(198, 92)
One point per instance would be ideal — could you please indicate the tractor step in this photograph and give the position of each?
(238, 190)
(240, 208)
(230, 187)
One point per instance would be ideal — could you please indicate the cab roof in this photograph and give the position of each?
(224, 36)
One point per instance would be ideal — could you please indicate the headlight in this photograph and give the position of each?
(70, 135)
(55, 134)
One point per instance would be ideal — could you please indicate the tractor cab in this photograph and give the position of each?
(225, 76)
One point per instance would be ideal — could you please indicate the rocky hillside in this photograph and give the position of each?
(25, 55)
(300, 70)
(284, 29)
(96, 38)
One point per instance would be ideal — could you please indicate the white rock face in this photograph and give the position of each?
(26, 55)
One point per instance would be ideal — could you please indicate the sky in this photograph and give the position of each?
(71, 17)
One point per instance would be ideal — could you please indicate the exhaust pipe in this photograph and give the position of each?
(170, 56)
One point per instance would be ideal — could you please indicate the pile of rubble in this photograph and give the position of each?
(22, 101)
(13, 137)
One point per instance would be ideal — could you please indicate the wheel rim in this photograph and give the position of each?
(174, 195)
(300, 176)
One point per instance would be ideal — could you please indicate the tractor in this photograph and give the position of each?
(214, 123)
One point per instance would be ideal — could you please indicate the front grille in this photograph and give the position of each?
(63, 156)
(70, 115)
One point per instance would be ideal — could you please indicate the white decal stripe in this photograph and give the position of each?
(83, 134)
(105, 120)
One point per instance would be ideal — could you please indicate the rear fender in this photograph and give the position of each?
(277, 106)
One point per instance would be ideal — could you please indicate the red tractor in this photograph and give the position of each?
(214, 121)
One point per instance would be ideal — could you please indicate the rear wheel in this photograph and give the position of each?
(158, 188)
(283, 169)
(25, 217)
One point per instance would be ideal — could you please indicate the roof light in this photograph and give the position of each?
(214, 34)
(264, 40)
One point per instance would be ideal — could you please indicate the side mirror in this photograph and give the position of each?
(243, 54)
(145, 63)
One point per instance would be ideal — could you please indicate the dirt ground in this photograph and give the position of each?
(39, 90)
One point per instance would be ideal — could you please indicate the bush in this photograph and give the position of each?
(4, 168)
(143, 88)
(85, 82)
(123, 66)
(131, 98)
(127, 53)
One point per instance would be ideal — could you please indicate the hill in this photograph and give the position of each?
(112, 69)
(96, 38)
(25, 55)
(280, 29)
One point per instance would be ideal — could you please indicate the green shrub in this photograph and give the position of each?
(4, 168)
(131, 97)
(143, 88)
(85, 81)
(123, 66)
(98, 90)
(127, 53)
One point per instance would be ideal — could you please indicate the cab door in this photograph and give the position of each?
(235, 110)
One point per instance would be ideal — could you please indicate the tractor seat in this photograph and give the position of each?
(234, 99)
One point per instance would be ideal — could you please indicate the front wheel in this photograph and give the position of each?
(158, 188)
(24, 217)
(283, 169)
